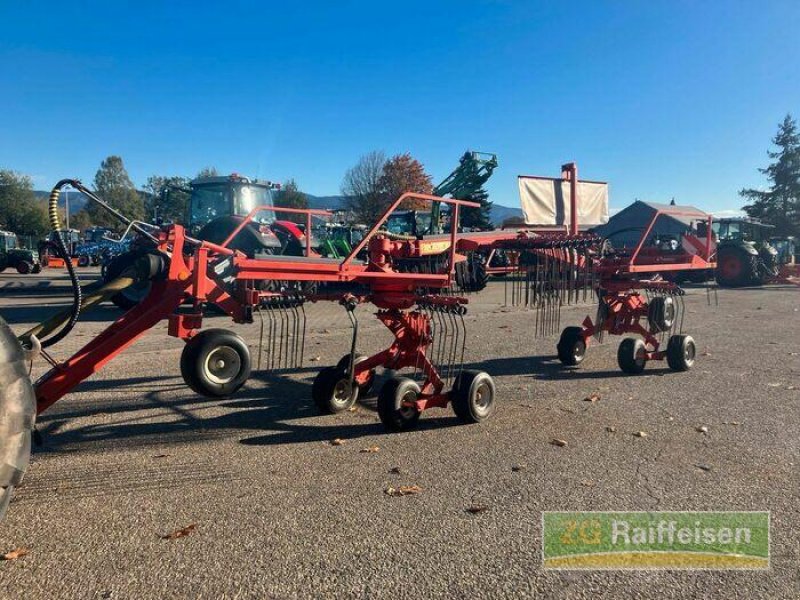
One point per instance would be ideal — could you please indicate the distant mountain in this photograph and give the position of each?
(77, 201)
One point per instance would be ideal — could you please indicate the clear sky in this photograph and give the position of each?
(660, 98)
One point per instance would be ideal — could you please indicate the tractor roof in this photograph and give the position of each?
(232, 178)
(748, 220)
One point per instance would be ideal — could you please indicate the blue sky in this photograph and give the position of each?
(660, 98)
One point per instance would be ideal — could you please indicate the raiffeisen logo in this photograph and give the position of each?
(661, 540)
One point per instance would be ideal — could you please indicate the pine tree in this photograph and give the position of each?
(780, 204)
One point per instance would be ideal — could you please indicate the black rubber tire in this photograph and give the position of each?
(394, 416)
(331, 391)
(37, 268)
(133, 295)
(17, 415)
(233, 363)
(3, 261)
(630, 356)
(681, 352)
(571, 346)
(24, 267)
(470, 274)
(661, 313)
(747, 272)
(83, 261)
(344, 363)
(473, 396)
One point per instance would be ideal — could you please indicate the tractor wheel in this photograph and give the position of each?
(661, 313)
(3, 261)
(344, 363)
(132, 295)
(215, 363)
(681, 352)
(83, 261)
(736, 267)
(631, 356)
(471, 273)
(24, 267)
(394, 393)
(17, 415)
(473, 396)
(37, 268)
(332, 392)
(571, 346)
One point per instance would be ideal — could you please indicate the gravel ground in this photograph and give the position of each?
(280, 512)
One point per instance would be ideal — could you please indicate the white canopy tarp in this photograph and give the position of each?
(545, 201)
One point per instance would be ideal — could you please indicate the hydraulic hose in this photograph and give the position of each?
(77, 296)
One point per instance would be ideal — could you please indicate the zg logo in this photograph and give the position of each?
(584, 532)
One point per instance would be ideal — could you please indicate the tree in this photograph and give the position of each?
(290, 196)
(403, 173)
(112, 184)
(360, 187)
(477, 218)
(208, 172)
(780, 204)
(167, 198)
(80, 220)
(20, 212)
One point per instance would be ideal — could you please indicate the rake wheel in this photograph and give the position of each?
(215, 363)
(571, 346)
(393, 404)
(473, 396)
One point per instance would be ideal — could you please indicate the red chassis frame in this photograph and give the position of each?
(187, 276)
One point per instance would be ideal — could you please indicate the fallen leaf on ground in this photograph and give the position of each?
(371, 449)
(702, 429)
(179, 533)
(587, 483)
(478, 508)
(517, 468)
(558, 442)
(403, 490)
(773, 385)
(15, 554)
(161, 456)
(395, 470)
(593, 397)
(703, 467)
(641, 434)
(352, 409)
(611, 429)
(315, 358)
(337, 442)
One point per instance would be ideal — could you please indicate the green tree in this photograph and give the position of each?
(167, 198)
(290, 196)
(780, 204)
(20, 211)
(112, 184)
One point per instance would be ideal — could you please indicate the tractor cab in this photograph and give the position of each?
(218, 205)
(8, 241)
(742, 229)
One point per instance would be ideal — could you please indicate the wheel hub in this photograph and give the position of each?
(222, 365)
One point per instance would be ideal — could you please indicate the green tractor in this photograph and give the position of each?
(23, 260)
(745, 255)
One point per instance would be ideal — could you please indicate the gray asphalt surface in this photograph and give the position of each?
(280, 512)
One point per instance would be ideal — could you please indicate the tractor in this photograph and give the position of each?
(745, 255)
(217, 207)
(23, 260)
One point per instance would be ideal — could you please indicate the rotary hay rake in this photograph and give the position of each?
(189, 275)
(558, 269)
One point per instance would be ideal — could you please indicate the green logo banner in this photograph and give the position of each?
(655, 540)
